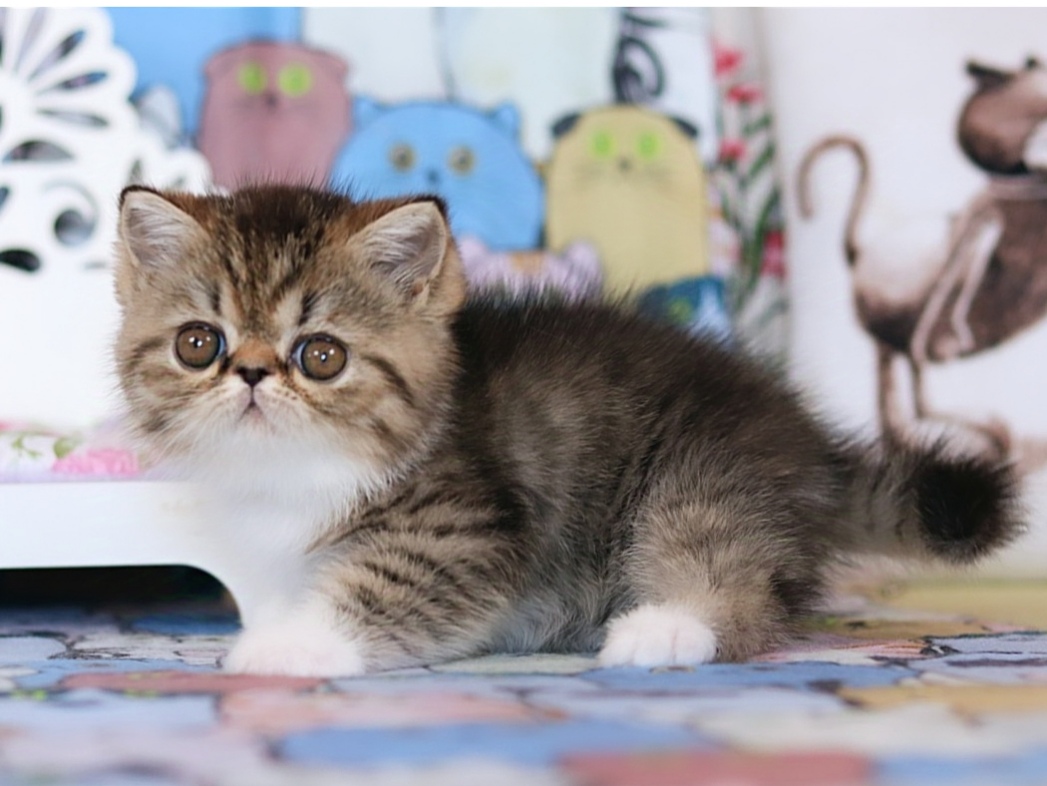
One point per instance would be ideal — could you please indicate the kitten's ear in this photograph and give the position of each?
(411, 246)
(155, 236)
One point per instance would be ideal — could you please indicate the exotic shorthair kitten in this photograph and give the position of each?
(417, 475)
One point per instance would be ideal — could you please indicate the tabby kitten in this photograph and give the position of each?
(413, 475)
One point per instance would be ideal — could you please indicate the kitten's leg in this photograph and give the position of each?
(307, 639)
(401, 598)
(419, 598)
(711, 583)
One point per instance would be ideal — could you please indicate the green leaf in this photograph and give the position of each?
(20, 446)
(759, 165)
(752, 250)
(64, 446)
(753, 127)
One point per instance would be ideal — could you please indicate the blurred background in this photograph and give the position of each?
(901, 173)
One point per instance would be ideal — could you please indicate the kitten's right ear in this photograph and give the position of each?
(411, 247)
(155, 235)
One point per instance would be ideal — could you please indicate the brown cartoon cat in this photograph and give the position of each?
(274, 111)
(990, 282)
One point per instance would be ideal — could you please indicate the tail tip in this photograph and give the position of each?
(968, 507)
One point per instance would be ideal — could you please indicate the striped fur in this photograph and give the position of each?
(488, 475)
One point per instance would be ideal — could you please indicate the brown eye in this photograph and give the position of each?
(461, 160)
(321, 358)
(401, 157)
(197, 346)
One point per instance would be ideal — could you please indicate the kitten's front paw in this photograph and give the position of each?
(298, 647)
(658, 636)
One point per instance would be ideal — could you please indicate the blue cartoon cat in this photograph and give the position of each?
(469, 157)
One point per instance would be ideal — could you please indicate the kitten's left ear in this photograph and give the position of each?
(155, 235)
(411, 246)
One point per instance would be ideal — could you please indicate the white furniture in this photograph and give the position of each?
(115, 523)
(69, 141)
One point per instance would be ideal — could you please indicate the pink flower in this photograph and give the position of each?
(745, 93)
(774, 254)
(103, 461)
(725, 59)
(731, 150)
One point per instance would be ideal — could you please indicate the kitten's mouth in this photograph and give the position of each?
(252, 412)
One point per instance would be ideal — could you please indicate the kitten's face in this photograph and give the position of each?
(281, 323)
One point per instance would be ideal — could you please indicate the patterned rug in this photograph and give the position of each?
(905, 689)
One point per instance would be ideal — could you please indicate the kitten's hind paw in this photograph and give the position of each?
(658, 635)
(303, 646)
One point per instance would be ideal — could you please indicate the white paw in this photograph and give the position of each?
(653, 635)
(306, 644)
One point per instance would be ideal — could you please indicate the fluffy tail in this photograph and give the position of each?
(861, 191)
(926, 503)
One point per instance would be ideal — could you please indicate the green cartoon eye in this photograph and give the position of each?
(648, 145)
(295, 80)
(602, 144)
(252, 78)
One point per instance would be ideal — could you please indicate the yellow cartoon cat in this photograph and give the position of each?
(629, 181)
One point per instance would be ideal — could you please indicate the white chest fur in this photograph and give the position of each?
(265, 503)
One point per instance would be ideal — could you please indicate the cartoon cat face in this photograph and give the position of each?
(1002, 116)
(629, 181)
(274, 111)
(470, 158)
(626, 144)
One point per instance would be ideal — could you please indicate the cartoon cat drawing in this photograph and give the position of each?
(630, 181)
(470, 158)
(986, 280)
(274, 111)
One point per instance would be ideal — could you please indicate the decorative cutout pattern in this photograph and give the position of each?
(69, 141)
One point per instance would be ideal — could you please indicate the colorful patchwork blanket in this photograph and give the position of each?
(918, 686)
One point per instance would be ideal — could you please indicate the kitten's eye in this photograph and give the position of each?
(401, 157)
(252, 78)
(198, 346)
(321, 357)
(461, 160)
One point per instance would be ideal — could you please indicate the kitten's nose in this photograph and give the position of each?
(625, 164)
(252, 375)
